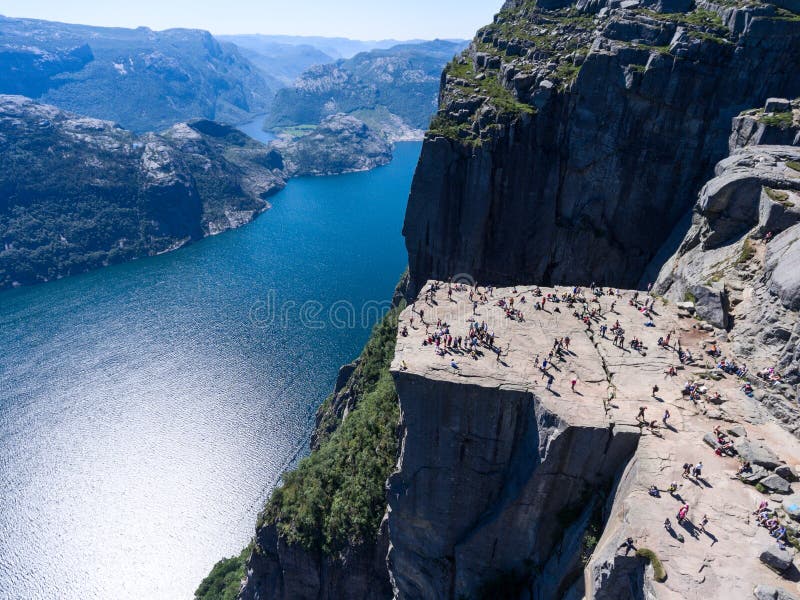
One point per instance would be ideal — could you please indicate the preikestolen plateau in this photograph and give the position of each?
(476, 300)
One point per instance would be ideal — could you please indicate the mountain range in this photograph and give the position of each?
(393, 90)
(143, 79)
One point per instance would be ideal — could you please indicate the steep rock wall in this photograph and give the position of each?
(488, 483)
(739, 264)
(278, 569)
(591, 141)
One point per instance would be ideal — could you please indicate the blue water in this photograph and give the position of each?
(147, 409)
(253, 129)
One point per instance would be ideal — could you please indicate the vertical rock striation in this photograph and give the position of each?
(496, 483)
(570, 141)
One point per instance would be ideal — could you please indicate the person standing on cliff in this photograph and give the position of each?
(574, 381)
(628, 545)
(683, 512)
(640, 417)
(703, 523)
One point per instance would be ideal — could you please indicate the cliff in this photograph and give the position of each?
(572, 138)
(507, 487)
(738, 262)
(571, 141)
(80, 193)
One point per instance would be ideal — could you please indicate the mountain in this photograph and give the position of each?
(77, 193)
(284, 62)
(392, 90)
(143, 79)
(585, 136)
(336, 47)
(340, 144)
(572, 141)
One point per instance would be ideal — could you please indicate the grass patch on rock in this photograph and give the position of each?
(747, 253)
(779, 196)
(783, 120)
(659, 572)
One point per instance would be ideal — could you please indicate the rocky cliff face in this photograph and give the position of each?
(571, 138)
(490, 481)
(279, 569)
(80, 193)
(510, 488)
(738, 263)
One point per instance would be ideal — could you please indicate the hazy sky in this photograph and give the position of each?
(361, 19)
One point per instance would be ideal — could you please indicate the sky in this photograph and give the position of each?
(357, 19)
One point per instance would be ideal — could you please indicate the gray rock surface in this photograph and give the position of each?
(741, 245)
(764, 592)
(551, 189)
(776, 559)
(782, 259)
(757, 474)
(756, 453)
(774, 105)
(737, 431)
(776, 483)
(787, 472)
(492, 521)
(791, 506)
(751, 129)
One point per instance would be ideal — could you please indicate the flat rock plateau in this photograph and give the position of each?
(500, 475)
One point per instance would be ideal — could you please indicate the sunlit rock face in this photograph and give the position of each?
(571, 140)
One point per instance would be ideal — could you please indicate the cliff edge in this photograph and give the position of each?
(572, 137)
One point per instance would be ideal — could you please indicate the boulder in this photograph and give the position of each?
(776, 215)
(757, 453)
(776, 483)
(787, 473)
(791, 507)
(777, 559)
(710, 304)
(757, 475)
(737, 431)
(765, 592)
(774, 105)
(783, 256)
(687, 306)
(711, 440)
